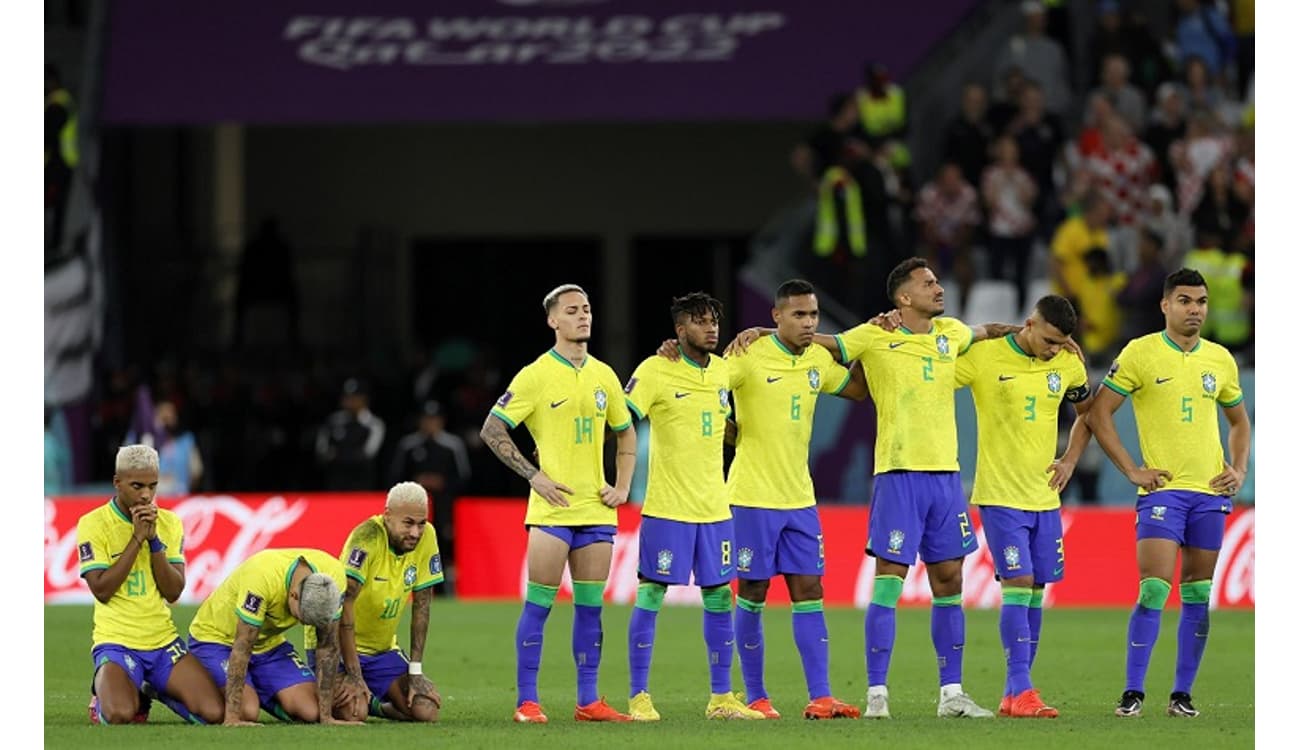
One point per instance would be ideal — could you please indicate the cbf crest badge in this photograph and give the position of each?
(743, 558)
(1012, 557)
(664, 562)
(941, 343)
(1208, 382)
(814, 379)
(408, 575)
(1158, 512)
(896, 541)
(722, 398)
(1054, 382)
(601, 399)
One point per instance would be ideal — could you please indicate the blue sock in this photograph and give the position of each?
(178, 707)
(1035, 623)
(948, 632)
(640, 647)
(813, 642)
(588, 599)
(749, 636)
(1143, 630)
(880, 626)
(528, 639)
(1193, 633)
(719, 638)
(1013, 623)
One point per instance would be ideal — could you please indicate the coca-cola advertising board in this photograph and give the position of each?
(222, 531)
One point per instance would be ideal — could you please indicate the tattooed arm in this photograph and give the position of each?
(496, 437)
(327, 656)
(419, 685)
(236, 670)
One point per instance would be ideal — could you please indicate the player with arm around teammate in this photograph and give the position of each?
(390, 559)
(686, 525)
(1019, 383)
(566, 398)
(1178, 382)
(132, 558)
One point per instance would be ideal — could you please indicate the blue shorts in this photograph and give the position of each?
(919, 511)
(1193, 519)
(1025, 542)
(672, 550)
(153, 666)
(771, 542)
(379, 671)
(268, 673)
(578, 537)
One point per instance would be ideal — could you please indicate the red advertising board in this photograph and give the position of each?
(223, 530)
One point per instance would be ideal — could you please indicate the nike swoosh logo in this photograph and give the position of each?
(773, 380)
(896, 344)
(752, 646)
(724, 572)
(643, 645)
(1005, 378)
(377, 578)
(1137, 645)
(1058, 571)
(526, 644)
(557, 403)
(1162, 381)
(826, 640)
(730, 643)
(1022, 640)
(968, 542)
(680, 395)
(116, 554)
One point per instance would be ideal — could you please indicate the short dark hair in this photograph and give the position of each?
(695, 305)
(1183, 277)
(793, 288)
(901, 273)
(1058, 311)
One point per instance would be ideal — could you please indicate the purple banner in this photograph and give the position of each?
(296, 61)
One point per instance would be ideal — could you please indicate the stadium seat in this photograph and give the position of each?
(991, 301)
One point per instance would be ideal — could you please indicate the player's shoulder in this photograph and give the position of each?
(650, 366)
(601, 368)
(1218, 352)
(94, 517)
(949, 326)
(428, 544)
(369, 531)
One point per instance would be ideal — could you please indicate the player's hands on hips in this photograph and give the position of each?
(890, 321)
(551, 491)
(612, 496)
(742, 341)
(1150, 479)
(668, 350)
(1061, 472)
(1229, 482)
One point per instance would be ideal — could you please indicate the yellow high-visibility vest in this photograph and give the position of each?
(1226, 320)
(838, 179)
(68, 133)
(883, 116)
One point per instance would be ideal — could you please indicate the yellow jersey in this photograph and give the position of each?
(566, 409)
(1175, 398)
(776, 392)
(136, 616)
(687, 406)
(257, 592)
(1017, 401)
(911, 377)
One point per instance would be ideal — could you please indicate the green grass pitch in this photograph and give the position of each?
(470, 656)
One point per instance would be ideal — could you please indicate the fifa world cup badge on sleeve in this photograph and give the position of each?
(86, 552)
(630, 385)
(356, 558)
(253, 603)
(505, 399)
(435, 565)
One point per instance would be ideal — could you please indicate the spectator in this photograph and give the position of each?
(1039, 134)
(1195, 156)
(1072, 241)
(266, 278)
(1204, 94)
(967, 137)
(1243, 26)
(1164, 221)
(180, 464)
(947, 213)
(1099, 312)
(882, 110)
(60, 158)
(1139, 300)
(1202, 32)
(1129, 36)
(1221, 212)
(349, 441)
(1009, 194)
(58, 456)
(438, 461)
(1122, 171)
(1124, 97)
(1167, 124)
(1227, 320)
(1006, 99)
(1040, 57)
